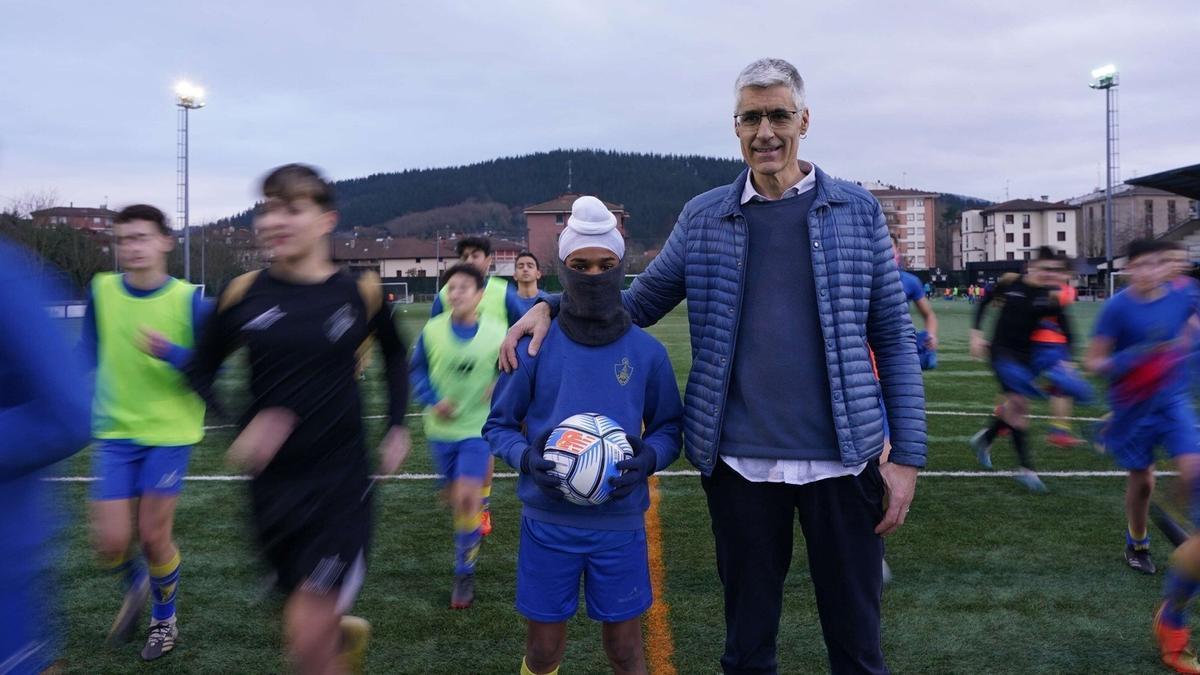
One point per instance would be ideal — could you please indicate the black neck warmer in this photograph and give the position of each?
(591, 312)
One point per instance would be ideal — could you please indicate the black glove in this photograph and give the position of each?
(637, 469)
(538, 467)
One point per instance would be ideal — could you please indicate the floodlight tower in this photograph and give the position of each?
(1106, 79)
(188, 97)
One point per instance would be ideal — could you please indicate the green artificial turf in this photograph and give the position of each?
(988, 578)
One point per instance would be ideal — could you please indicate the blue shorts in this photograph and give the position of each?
(1016, 378)
(1049, 361)
(124, 470)
(467, 458)
(927, 356)
(1132, 433)
(613, 564)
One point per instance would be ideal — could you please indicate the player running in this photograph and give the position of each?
(1025, 300)
(44, 418)
(593, 360)
(138, 330)
(454, 368)
(1051, 342)
(302, 321)
(1140, 344)
(500, 300)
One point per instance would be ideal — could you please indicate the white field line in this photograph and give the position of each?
(956, 413)
(923, 474)
(987, 413)
(670, 474)
(365, 417)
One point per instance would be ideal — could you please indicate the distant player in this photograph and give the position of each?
(1025, 300)
(592, 360)
(527, 275)
(138, 330)
(454, 368)
(44, 418)
(500, 300)
(302, 320)
(1052, 343)
(914, 293)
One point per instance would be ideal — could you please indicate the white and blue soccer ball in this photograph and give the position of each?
(585, 450)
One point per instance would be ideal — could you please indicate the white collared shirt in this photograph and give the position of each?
(790, 471)
(808, 182)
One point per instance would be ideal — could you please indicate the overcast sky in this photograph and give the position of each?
(959, 97)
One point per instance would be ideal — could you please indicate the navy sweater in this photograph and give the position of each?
(779, 400)
(567, 378)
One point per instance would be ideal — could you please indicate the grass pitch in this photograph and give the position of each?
(988, 578)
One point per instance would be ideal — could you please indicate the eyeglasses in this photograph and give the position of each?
(779, 119)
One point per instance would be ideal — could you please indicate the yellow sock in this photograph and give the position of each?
(164, 582)
(526, 671)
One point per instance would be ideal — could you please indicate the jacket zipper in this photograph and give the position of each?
(733, 333)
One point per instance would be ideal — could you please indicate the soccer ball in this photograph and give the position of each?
(585, 450)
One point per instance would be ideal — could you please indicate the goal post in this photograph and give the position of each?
(397, 292)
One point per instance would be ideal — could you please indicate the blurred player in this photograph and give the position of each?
(1052, 342)
(453, 372)
(302, 321)
(500, 300)
(1025, 300)
(1140, 345)
(527, 275)
(44, 413)
(138, 330)
(914, 293)
(1182, 281)
(593, 360)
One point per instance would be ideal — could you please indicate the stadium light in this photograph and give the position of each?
(1104, 71)
(188, 96)
(1105, 79)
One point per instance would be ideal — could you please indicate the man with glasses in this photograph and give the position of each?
(787, 252)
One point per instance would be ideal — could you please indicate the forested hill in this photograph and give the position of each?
(652, 187)
(490, 196)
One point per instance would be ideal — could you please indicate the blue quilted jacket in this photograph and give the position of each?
(860, 299)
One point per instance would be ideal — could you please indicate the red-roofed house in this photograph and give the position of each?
(411, 257)
(80, 218)
(547, 220)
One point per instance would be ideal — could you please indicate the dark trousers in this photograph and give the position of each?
(753, 526)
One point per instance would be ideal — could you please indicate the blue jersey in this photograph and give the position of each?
(527, 304)
(629, 380)
(913, 290)
(1148, 348)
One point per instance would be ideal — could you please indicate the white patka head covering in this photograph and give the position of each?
(590, 224)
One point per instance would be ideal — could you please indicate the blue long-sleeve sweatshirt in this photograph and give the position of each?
(45, 416)
(630, 381)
